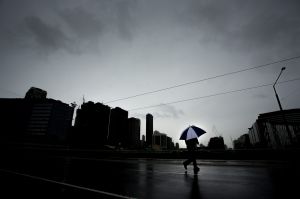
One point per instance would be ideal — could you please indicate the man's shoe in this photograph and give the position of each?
(196, 170)
(184, 166)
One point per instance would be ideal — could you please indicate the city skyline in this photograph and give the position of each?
(106, 50)
(36, 119)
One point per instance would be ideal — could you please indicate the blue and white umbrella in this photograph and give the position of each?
(191, 132)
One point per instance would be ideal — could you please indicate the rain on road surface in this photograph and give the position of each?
(149, 178)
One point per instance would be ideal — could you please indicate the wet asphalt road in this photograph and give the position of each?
(148, 178)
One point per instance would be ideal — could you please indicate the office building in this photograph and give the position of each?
(159, 140)
(269, 130)
(35, 119)
(149, 129)
(91, 125)
(118, 128)
(134, 131)
(170, 143)
(243, 142)
(216, 143)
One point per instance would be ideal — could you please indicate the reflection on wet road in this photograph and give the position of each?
(148, 178)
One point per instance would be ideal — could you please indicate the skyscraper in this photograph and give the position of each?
(134, 126)
(149, 129)
(35, 119)
(118, 128)
(91, 125)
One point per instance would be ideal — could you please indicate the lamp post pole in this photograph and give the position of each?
(280, 107)
(282, 69)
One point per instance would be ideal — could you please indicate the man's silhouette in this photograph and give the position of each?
(191, 146)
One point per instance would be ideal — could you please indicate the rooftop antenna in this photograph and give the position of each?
(83, 100)
(214, 129)
(216, 132)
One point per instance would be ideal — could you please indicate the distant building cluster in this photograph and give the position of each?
(243, 142)
(161, 141)
(37, 119)
(270, 131)
(97, 125)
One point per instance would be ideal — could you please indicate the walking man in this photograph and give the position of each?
(191, 145)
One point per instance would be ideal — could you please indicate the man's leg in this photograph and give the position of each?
(189, 160)
(196, 168)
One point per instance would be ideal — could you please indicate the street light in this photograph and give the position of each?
(280, 107)
(282, 69)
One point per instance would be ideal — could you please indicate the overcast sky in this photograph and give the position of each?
(110, 49)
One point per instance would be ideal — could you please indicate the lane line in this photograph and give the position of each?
(66, 184)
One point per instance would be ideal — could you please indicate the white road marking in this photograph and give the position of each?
(66, 184)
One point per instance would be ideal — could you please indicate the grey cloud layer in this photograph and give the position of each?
(247, 24)
(49, 37)
(82, 23)
(241, 25)
(168, 111)
(64, 25)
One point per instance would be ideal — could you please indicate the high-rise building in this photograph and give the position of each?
(143, 142)
(91, 125)
(269, 130)
(134, 128)
(149, 129)
(159, 140)
(216, 143)
(50, 118)
(35, 118)
(118, 128)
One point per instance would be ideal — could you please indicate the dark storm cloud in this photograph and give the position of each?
(76, 27)
(82, 23)
(125, 20)
(245, 25)
(118, 15)
(90, 23)
(278, 28)
(79, 29)
(234, 25)
(48, 37)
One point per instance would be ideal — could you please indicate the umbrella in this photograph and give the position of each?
(191, 132)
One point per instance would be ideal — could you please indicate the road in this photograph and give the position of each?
(147, 178)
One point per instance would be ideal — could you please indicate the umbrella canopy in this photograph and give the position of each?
(191, 132)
